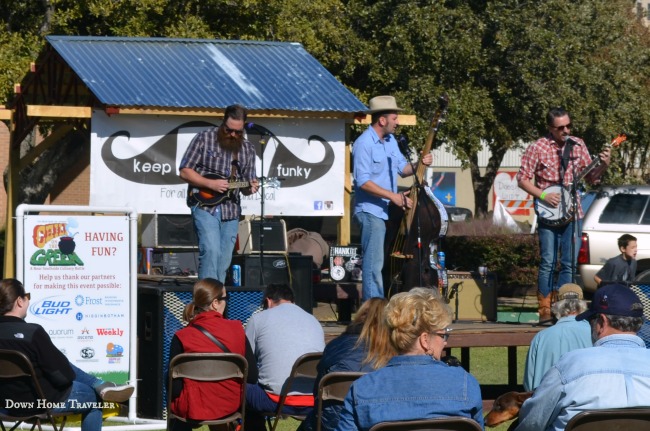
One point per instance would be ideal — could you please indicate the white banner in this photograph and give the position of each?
(135, 158)
(77, 271)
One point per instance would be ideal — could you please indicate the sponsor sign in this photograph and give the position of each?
(135, 159)
(77, 271)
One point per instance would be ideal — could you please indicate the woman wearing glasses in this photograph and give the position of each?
(416, 384)
(208, 400)
(555, 160)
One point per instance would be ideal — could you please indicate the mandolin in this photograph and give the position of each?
(210, 197)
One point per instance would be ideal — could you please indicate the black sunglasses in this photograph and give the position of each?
(230, 131)
(224, 298)
(564, 126)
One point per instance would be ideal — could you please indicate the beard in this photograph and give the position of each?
(229, 142)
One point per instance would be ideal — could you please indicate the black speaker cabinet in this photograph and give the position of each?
(167, 230)
(275, 236)
(294, 270)
(160, 315)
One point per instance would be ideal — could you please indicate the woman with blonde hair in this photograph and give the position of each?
(415, 384)
(364, 346)
(208, 400)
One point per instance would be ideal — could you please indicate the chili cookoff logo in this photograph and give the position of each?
(63, 254)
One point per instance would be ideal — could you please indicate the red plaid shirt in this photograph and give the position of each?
(541, 163)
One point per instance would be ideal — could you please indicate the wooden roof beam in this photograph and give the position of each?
(59, 111)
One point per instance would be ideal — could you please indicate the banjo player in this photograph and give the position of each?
(547, 172)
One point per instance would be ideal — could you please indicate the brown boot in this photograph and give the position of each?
(544, 307)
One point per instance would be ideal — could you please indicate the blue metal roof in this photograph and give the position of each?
(195, 73)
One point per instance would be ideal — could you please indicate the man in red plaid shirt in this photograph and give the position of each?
(541, 167)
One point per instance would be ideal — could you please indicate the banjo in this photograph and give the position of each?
(563, 213)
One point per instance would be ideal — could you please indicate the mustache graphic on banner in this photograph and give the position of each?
(285, 164)
(156, 165)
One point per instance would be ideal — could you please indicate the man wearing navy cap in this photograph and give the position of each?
(614, 373)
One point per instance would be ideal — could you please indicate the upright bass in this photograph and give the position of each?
(410, 232)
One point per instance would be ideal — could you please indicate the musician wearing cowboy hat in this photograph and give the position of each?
(376, 163)
(555, 160)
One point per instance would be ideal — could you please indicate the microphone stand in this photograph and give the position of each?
(575, 226)
(263, 140)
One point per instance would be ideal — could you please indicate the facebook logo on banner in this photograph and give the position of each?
(318, 205)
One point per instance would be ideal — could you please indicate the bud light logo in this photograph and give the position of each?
(51, 308)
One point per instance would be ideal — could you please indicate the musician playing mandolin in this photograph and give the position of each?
(554, 160)
(214, 158)
(377, 162)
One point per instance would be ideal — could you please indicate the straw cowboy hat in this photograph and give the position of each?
(383, 103)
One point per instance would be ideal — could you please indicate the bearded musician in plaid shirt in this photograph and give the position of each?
(225, 152)
(541, 167)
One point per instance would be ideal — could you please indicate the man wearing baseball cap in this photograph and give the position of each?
(376, 163)
(614, 373)
(566, 335)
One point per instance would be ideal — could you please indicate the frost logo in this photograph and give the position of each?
(295, 171)
(79, 300)
(155, 166)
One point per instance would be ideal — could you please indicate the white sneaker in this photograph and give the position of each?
(115, 393)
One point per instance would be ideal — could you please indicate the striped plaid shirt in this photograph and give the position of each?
(541, 163)
(205, 155)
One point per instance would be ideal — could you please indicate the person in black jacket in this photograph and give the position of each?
(69, 387)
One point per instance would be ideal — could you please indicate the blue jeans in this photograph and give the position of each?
(83, 391)
(373, 232)
(216, 241)
(554, 241)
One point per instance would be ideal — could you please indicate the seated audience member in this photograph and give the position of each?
(208, 400)
(567, 334)
(612, 374)
(279, 335)
(416, 384)
(62, 382)
(623, 266)
(364, 346)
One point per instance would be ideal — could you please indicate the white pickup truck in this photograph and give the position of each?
(615, 210)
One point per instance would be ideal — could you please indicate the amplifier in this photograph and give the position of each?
(178, 261)
(160, 315)
(294, 270)
(167, 230)
(472, 297)
(275, 236)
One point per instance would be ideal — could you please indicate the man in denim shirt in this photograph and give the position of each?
(377, 161)
(612, 374)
